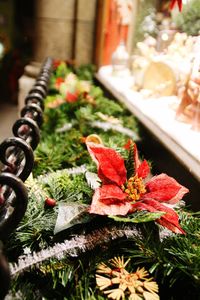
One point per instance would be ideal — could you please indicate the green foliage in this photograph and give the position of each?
(60, 281)
(34, 232)
(85, 72)
(36, 228)
(186, 250)
(62, 70)
(129, 162)
(174, 262)
(64, 150)
(60, 150)
(103, 103)
(139, 217)
(54, 118)
(189, 19)
(114, 140)
(96, 91)
(177, 258)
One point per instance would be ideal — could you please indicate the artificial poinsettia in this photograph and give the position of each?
(174, 2)
(122, 194)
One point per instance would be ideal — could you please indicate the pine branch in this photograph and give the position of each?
(70, 171)
(177, 257)
(64, 186)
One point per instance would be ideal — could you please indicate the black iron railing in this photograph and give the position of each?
(16, 156)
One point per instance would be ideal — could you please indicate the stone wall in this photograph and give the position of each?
(64, 29)
(84, 45)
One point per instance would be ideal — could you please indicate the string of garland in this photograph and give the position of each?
(62, 265)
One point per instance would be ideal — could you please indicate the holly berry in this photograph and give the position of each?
(50, 202)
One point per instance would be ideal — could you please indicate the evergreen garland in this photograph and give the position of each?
(66, 126)
(45, 265)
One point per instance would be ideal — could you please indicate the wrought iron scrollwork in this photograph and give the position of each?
(38, 89)
(27, 129)
(17, 156)
(35, 98)
(12, 207)
(34, 112)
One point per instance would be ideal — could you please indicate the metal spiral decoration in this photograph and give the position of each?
(16, 156)
(13, 207)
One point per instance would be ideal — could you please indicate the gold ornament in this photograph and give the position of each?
(117, 283)
(93, 138)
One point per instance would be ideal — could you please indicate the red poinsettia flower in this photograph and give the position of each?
(174, 2)
(120, 195)
(71, 97)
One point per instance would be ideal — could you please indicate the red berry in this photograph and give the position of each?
(50, 202)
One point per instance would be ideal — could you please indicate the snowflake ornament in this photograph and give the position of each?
(117, 283)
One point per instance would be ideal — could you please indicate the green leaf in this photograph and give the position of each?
(139, 217)
(70, 214)
(129, 162)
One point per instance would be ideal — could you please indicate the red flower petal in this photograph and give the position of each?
(111, 168)
(104, 204)
(164, 188)
(168, 220)
(143, 169)
(110, 193)
(71, 97)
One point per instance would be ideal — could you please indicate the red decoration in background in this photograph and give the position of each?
(120, 195)
(115, 30)
(58, 82)
(174, 2)
(71, 97)
(56, 63)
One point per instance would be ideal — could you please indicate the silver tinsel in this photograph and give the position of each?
(119, 128)
(74, 246)
(66, 127)
(71, 171)
(92, 180)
